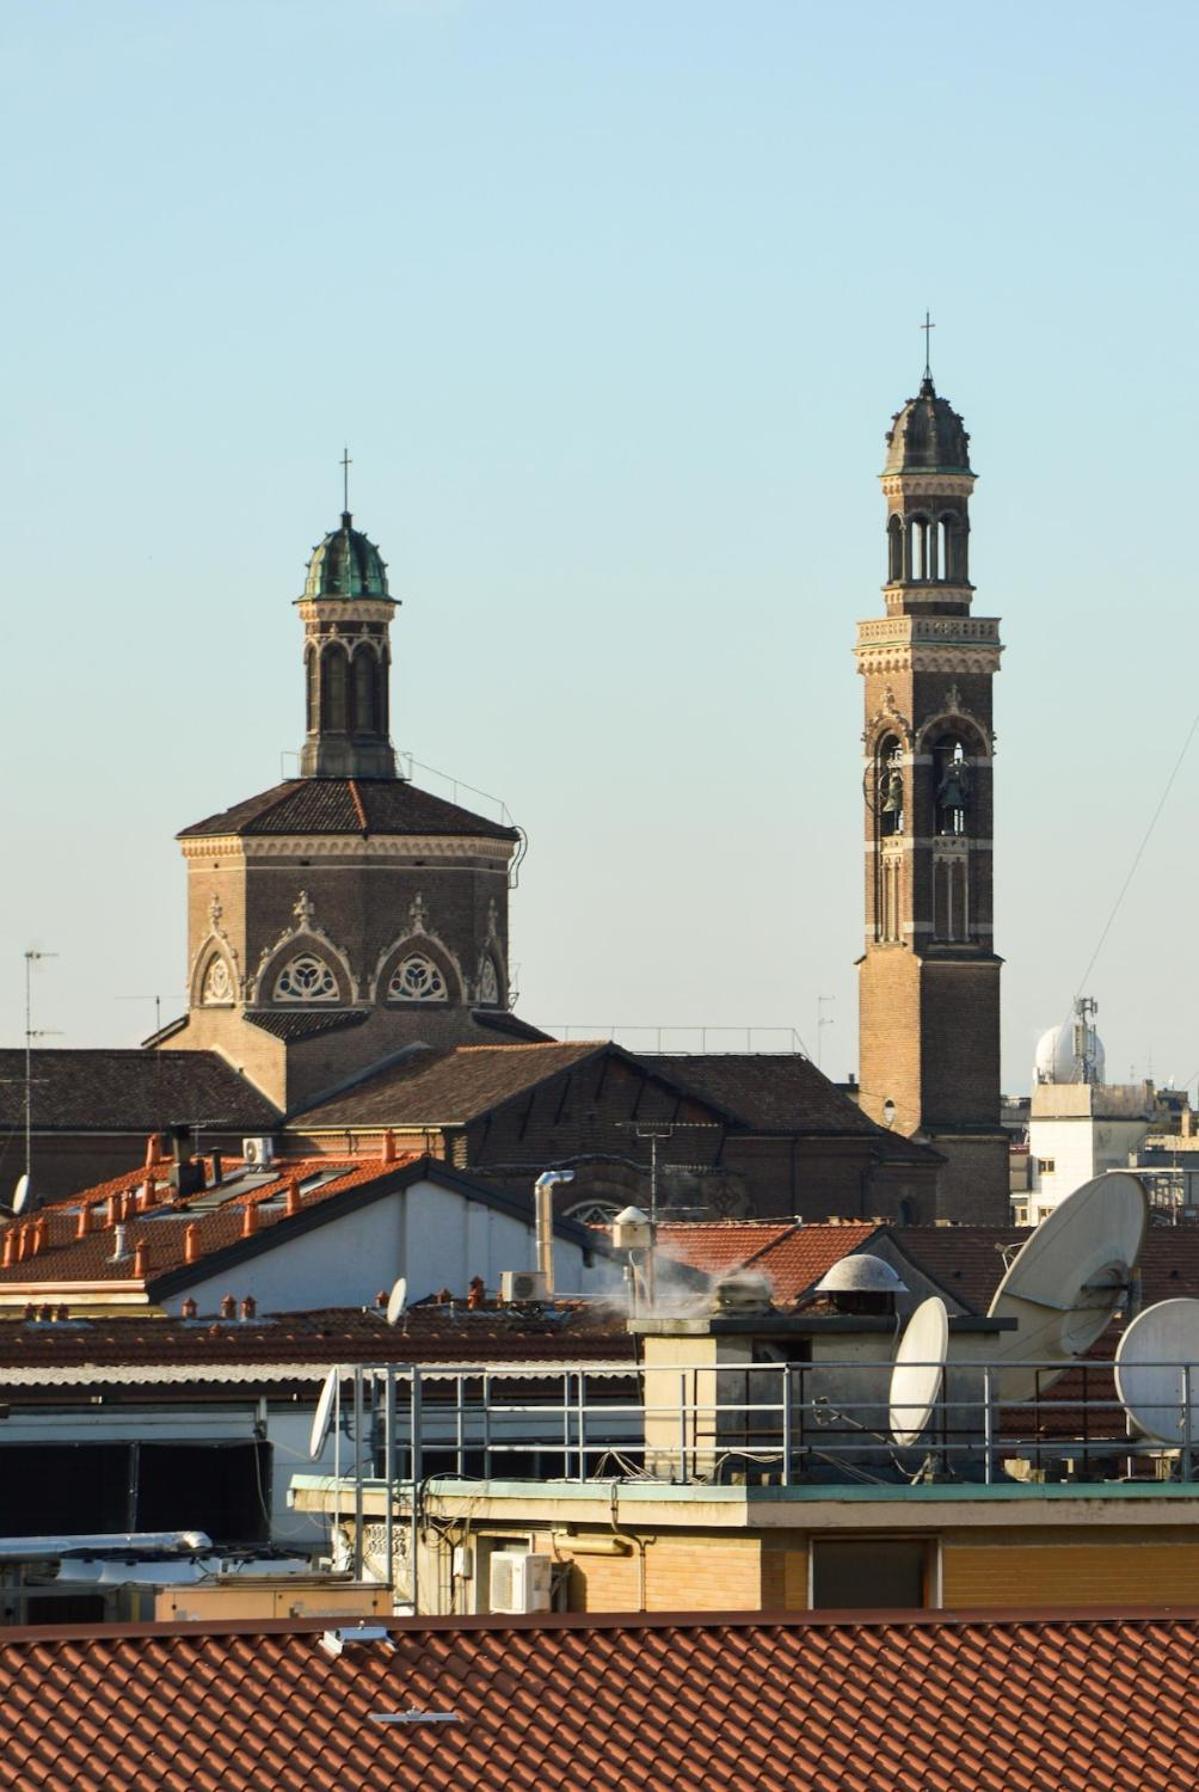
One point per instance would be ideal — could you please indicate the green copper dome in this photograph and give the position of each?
(346, 564)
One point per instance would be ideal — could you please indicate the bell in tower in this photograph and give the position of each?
(929, 976)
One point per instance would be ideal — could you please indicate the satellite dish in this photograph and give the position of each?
(24, 1189)
(917, 1371)
(397, 1300)
(322, 1419)
(1149, 1377)
(1066, 1283)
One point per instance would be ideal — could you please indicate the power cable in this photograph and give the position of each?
(1139, 854)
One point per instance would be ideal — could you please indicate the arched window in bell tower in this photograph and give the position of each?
(335, 688)
(889, 784)
(313, 688)
(952, 787)
(920, 549)
(365, 719)
(947, 532)
(894, 551)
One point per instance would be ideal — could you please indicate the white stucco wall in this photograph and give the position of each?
(431, 1234)
(1079, 1147)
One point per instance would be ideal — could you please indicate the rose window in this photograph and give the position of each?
(305, 978)
(417, 979)
(218, 984)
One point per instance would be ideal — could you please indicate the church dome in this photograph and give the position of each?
(927, 436)
(346, 564)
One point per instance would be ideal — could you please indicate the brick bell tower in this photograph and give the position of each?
(929, 976)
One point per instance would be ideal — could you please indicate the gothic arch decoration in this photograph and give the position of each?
(307, 939)
(216, 972)
(888, 719)
(491, 980)
(956, 718)
(304, 977)
(411, 968)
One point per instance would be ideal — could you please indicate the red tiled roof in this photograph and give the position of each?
(790, 1254)
(1076, 1703)
(64, 1257)
(968, 1261)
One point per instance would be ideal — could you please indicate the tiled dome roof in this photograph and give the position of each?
(346, 564)
(927, 436)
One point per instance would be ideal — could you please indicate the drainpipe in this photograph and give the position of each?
(543, 1203)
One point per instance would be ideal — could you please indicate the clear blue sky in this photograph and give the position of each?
(612, 300)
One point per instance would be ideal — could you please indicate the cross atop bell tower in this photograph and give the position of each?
(929, 977)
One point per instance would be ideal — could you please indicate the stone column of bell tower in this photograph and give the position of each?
(929, 976)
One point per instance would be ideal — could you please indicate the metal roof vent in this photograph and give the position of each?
(861, 1274)
(356, 1636)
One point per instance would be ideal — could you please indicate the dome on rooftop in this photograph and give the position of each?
(346, 564)
(927, 436)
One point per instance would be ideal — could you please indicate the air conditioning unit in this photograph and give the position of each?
(520, 1285)
(258, 1151)
(519, 1582)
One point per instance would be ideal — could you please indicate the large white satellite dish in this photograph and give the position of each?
(917, 1371)
(1149, 1375)
(20, 1200)
(397, 1300)
(1068, 1281)
(322, 1419)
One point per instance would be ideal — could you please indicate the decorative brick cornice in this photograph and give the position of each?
(330, 848)
(899, 657)
(346, 612)
(927, 485)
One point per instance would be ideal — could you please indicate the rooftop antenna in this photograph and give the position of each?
(32, 957)
(928, 326)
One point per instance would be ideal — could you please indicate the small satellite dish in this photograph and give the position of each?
(1149, 1377)
(917, 1371)
(1068, 1280)
(24, 1189)
(322, 1419)
(397, 1300)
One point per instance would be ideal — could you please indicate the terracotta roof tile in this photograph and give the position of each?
(930, 1704)
(792, 1255)
(63, 1257)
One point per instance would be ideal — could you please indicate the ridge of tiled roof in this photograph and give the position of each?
(1100, 1701)
(129, 1090)
(445, 1085)
(348, 806)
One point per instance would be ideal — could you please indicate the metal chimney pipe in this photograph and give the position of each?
(543, 1207)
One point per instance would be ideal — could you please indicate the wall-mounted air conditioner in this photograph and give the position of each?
(519, 1582)
(520, 1285)
(258, 1151)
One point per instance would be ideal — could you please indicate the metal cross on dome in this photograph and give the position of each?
(928, 326)
(345, 463)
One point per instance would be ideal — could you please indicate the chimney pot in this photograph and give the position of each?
(249, 1222)
(191, 1242)
(389, 1146)
(10, 1243)
(62, 1312)
(189, 1309)
(30, 1311)
(139, 1259)
(293, 1198)
(249, 1307)
(381, 1298)
(228, 1306)
(82, 1223)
